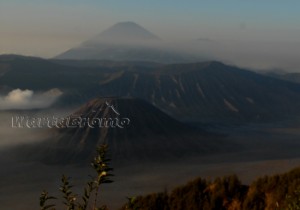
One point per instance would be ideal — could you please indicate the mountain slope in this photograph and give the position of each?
(210, 91)
(292, 77)
(133, 129)
(40, 74)
(19, 72)
(199, 92)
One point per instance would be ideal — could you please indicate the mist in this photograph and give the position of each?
(20, 103)
(13, 136)
(259, 55)
(28, 99)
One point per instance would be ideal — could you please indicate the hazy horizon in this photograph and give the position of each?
(252, 34)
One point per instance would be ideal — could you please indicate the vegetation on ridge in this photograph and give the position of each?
(89, 200)
(279, 192)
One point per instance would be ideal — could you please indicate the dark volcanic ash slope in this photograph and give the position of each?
(40, 74)
(150, 135)
(210, 91)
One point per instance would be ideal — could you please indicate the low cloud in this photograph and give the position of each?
(28, 99)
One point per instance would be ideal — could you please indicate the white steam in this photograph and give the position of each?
(27, 99)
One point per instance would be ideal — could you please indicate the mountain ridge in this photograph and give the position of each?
(206, 92)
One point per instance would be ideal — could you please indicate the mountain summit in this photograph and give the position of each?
(126, 31)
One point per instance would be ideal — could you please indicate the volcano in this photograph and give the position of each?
(133, 129)
(126, 31)
(126, 41)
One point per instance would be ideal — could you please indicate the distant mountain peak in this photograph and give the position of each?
(128, 23)
(127, 41)
(127, 31)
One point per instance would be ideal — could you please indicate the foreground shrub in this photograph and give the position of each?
(89, 199)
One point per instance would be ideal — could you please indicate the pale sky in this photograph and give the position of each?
(46, 28)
